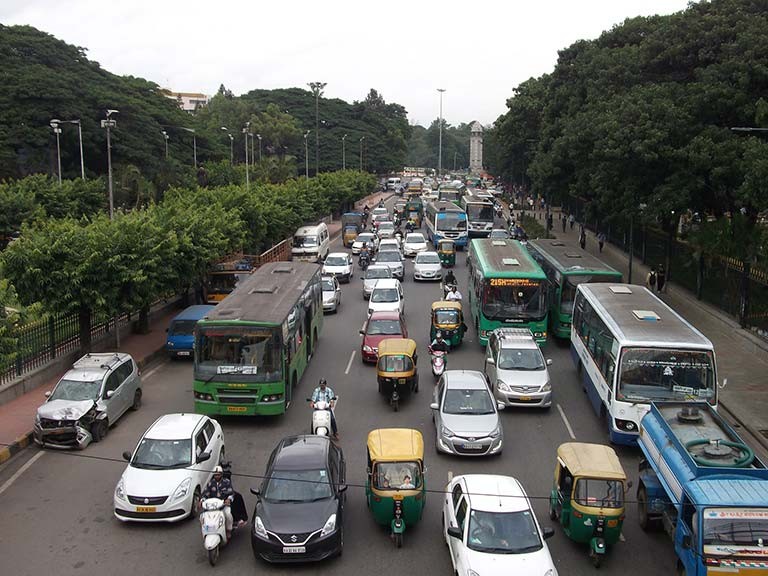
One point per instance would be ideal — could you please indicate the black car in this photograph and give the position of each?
(299, 513)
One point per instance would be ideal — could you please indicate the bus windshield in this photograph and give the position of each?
(452, 221)
(449, 195)
(571, 282)
(526, 300)
(480, 212)
(648, 374)
(237, 353)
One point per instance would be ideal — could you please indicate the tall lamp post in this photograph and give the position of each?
(344, 152)
(165, 137)
(246, 130)
(231, 146)
(306, 157)
(440, 138)
(57, 131)
(361, 153)
(317, 90)
(194, 144)
(259, 137)
(79, 139)
(108, 123)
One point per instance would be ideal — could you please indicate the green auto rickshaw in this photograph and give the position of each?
(446, 249)
(448, 318)
(395, 486)
(588, 496)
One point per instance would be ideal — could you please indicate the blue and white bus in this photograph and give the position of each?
(630, 349)
(446, 220)
(451, 192)
(481, 215)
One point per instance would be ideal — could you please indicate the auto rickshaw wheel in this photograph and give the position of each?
(552, 512)
(597, 559)
(398, 540)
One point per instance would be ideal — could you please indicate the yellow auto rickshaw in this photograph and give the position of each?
(395, 485)
(349, 236)
(588, 496)
(448, 318)
(396, 370)
(446, 249)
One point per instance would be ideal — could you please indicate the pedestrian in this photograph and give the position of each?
(571, 220)
(550, 222)
(563, 220)
(601, 241)
(650, 280)
(582, 238)
(661, 279)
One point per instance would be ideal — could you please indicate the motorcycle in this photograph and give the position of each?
(364, 261)
(213, 523)
(438, 362)
(321, 417)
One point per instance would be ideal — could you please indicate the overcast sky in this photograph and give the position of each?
(478, 50)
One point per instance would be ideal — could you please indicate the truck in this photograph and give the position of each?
(351, 225)
(706, 487)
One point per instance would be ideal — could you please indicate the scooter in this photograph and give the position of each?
(447, 288)
(321, 417)
(213, 523)
(438, 362)
(364, 261)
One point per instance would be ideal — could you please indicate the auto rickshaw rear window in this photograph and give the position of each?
(397, 475)
(599, 493)
(395, 364)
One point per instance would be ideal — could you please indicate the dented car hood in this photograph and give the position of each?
(65, 409)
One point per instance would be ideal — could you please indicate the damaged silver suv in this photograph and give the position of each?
(87, 400)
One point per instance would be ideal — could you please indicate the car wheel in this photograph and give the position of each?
(99, 430)
(136, 399)
(341, 542)
(195, 502)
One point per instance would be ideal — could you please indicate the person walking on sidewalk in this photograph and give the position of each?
(563, 220)
(651, 279)
(600, 241)
(571, 220)
(582, 237)
(661, 279)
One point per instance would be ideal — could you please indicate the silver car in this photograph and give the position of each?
(331, 294)
(466, 415)
(373, 274)
(516, 369)
(88, 399)
(394, 260)
(427, 266)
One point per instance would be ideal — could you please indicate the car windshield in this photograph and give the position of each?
(297, 486)
(384, 327)
(336, 261)
(469, 401)
(648, 374)
(388, 256)
(328, 286)
(305, 241)
(735, 527)
(385, 295)
(571, 282)
(364, 238)
(76, 390)
(599, 493)
(503, 532)
(394, 475)
(377, 273)
(428, 259)
(183, 328)
(157, 454)
(514, 298)
(520, 359)
(415, 239)
(230, 353)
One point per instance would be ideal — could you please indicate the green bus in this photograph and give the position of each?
(252, 349)
(567, 265)
(507, 288)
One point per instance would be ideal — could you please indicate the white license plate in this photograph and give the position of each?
(294, 549)
(471, 446)
(186, 353)
(209, 529)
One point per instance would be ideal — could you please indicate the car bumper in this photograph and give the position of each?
(413, 251)
(461, 446)
(315, 550)
(329, 306)
(417, 275)
(179, 353)
(175, 511)
(525, 399)
(370, 357)
(62, 438)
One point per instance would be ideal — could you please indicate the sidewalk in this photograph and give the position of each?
(17, 416)
(742, 357)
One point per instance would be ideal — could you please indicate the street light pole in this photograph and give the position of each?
(57, 131)
(259, 137)
(80, 139)
(344, 152)
(440, 138)
(231, 146)
(306, 157)
(247, 176)
(165, 137)
(317, 90)
(110, 123)
(361, 153)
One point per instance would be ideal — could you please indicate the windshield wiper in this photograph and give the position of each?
(146, 466)
(531, 548)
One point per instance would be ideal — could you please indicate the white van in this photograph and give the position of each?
(311, 243)
(393, 183)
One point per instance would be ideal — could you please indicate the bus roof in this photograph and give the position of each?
(266, 296)
(505, 259)
(445, 206)
(567, 258)
(636, 316)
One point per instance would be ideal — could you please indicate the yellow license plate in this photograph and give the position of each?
(525, 398)
(397, 497)
(401, 380)
(237, 409)
(146, 509)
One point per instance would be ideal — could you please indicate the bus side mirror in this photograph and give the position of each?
(687, 541)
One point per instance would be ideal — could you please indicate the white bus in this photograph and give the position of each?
(481, 215)
(446, 220)
(630, 349)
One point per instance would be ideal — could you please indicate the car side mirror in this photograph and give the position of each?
(255, 491)
(434, 406)
(454, 532)
(362, 332)
(490, 361)
(203, 456)
(500, 405)
(547, 532)
(687, 541)
(342, 488)
(127, 456)
(549, 361)
(109, 394)
(47, 393)
(628, 485)
(724, 384)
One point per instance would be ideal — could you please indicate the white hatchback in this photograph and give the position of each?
(414, 243)
(339, 264)
(387, 295)
(427, 266)
(490, 528)
(169, 469)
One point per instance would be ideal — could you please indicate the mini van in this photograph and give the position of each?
(180, 340)
(311, 243)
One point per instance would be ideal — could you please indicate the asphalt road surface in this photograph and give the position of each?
(57, 512)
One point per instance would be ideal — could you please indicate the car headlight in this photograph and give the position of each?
(503, 386)
(547, 387)
(367, 348)
(169, 344)
(330, 526)
(120, 490)
(445, 431)
(496, 433)
(258, 528)
(550, 572)
(183, 489)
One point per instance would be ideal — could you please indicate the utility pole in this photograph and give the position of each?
(247, 177)
(57, 131)
(110, 123)
(317, 90)
(306, 157)
(361, 153)
(440, 141)
(343, 152)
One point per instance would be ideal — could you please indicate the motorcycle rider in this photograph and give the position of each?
(409, 226)
(325, 393)
(449, 280)
(221, 487)
(454, 294)
(439, 344)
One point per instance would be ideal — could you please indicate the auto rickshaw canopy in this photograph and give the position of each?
(397, 346)
(591, 461)
(446, 245)
(395, 444)
(446, 305)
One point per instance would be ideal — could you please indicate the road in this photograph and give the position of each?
(57, 512)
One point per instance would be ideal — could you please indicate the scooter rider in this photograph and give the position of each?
(438, 344)
(220, 487)
(324, 393)
(454, 294)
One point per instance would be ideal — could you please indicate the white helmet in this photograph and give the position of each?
(218, 470)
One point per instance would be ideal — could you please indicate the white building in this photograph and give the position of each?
(188, 101)
(476, 148)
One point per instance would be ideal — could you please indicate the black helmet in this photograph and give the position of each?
(323, 382)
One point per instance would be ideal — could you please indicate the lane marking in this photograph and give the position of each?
(565, 421)
(21, 471)
(349, 364)
(152, 372)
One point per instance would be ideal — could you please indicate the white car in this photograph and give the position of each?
(490, 528)
(414, 243)
(427, 266)
(339, 264)
(362, 239)
(373, 274)
(169, 469)
(331, 293)
(389, 244)
(393, 259)
(386, 230)
(387, 295)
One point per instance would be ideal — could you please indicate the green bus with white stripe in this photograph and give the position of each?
(507, 288)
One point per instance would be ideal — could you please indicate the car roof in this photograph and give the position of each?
(471, 379)
(511, 338)
(387, 283)
(174, 426)
(301, 452)
(495, 493)
(93, 367)
(384, 315)
(337, 254)
(428, 253)
(378, 267)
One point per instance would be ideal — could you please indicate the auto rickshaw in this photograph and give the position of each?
(396, 370)
(446, 249)
(395, 485)
(350, 235)
(448, 318)
(588, 496)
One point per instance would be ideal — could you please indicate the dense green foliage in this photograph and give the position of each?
(424, 144)
(638, 121)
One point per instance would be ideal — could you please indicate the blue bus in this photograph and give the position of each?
(446, 220)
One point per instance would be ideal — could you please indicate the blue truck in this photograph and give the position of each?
(706, 487)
